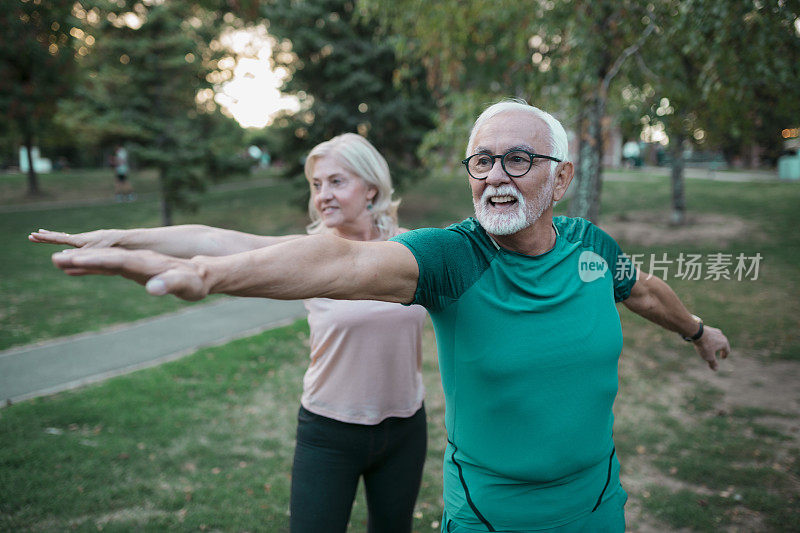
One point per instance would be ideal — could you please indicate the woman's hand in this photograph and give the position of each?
(161, 274)
(104, 238)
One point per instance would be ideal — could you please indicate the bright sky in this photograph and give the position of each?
(252, 96)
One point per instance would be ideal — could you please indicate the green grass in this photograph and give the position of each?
(71, 186)
(204, 443)
(770, 210)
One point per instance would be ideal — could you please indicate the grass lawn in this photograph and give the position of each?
(206, 442)
(203, 443)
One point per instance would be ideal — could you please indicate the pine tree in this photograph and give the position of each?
(37, 68)
(145, 71)
(348, 79)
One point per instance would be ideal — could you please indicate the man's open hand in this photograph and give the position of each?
(161, 274)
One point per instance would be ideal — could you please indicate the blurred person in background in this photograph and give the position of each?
(123, 190)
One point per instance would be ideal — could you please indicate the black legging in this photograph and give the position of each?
(331, 456)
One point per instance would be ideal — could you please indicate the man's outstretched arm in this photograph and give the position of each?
(653, 299)
(314, 266)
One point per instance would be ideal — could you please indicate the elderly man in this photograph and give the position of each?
(523, 305)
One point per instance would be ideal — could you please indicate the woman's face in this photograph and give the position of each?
(339, 196)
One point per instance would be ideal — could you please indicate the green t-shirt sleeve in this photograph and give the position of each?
(619, 263)
(448, 265)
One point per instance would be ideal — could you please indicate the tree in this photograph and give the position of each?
(561, 54)
(146, 72)
(473, 52)
(599, 38)
(37, 68)
(730, 94)
(753, 83)
(347, 80)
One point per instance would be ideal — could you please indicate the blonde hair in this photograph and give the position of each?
(362, 159)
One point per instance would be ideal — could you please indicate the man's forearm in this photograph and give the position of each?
(653, 299)
(315, 266)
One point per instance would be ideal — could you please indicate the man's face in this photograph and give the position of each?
(505, 205)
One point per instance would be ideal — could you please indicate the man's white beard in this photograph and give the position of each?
(524, 216)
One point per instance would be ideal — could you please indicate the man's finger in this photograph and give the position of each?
(156, 287)
(102, 261)
(86, 272)
(61, 259)
(184, 284)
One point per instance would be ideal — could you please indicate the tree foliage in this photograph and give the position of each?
(347, 79)
(599, 40)
(144, 71)
(750, 89)
(474, 53)
(37, 68)
(707, 85)
(560, 55)
(730, 68)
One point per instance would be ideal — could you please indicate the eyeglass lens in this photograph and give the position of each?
(515, 163)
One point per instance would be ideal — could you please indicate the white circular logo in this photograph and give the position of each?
(591, 266)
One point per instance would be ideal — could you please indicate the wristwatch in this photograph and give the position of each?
(699, 333)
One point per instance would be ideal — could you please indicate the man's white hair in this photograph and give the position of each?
(557, 143)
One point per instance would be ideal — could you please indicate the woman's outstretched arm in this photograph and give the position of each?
(177, 241)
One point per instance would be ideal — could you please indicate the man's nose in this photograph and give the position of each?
(497, 176)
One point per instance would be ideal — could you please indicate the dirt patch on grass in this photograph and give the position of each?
(769, 390)
(759, 397)
(652, 228)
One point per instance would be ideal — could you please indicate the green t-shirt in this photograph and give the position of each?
(528, 353)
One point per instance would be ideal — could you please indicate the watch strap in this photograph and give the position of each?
(699, 333)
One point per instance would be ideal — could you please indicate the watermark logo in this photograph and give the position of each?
(591, 266)
(694, 267)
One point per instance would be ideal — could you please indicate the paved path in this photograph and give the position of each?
(616, 174)
(70, 362)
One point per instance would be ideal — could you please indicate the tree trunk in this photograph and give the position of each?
(166, 202)
(678, 214)
(33, 181)
(585, 200)
(596, 127)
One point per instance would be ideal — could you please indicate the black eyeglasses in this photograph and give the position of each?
(515, 163)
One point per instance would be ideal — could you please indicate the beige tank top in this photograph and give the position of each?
(366, 360)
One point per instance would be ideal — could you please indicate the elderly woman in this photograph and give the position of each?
(361, 412)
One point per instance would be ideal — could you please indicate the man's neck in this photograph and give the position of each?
(536, 239)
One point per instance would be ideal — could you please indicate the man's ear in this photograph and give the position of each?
(564, 174)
